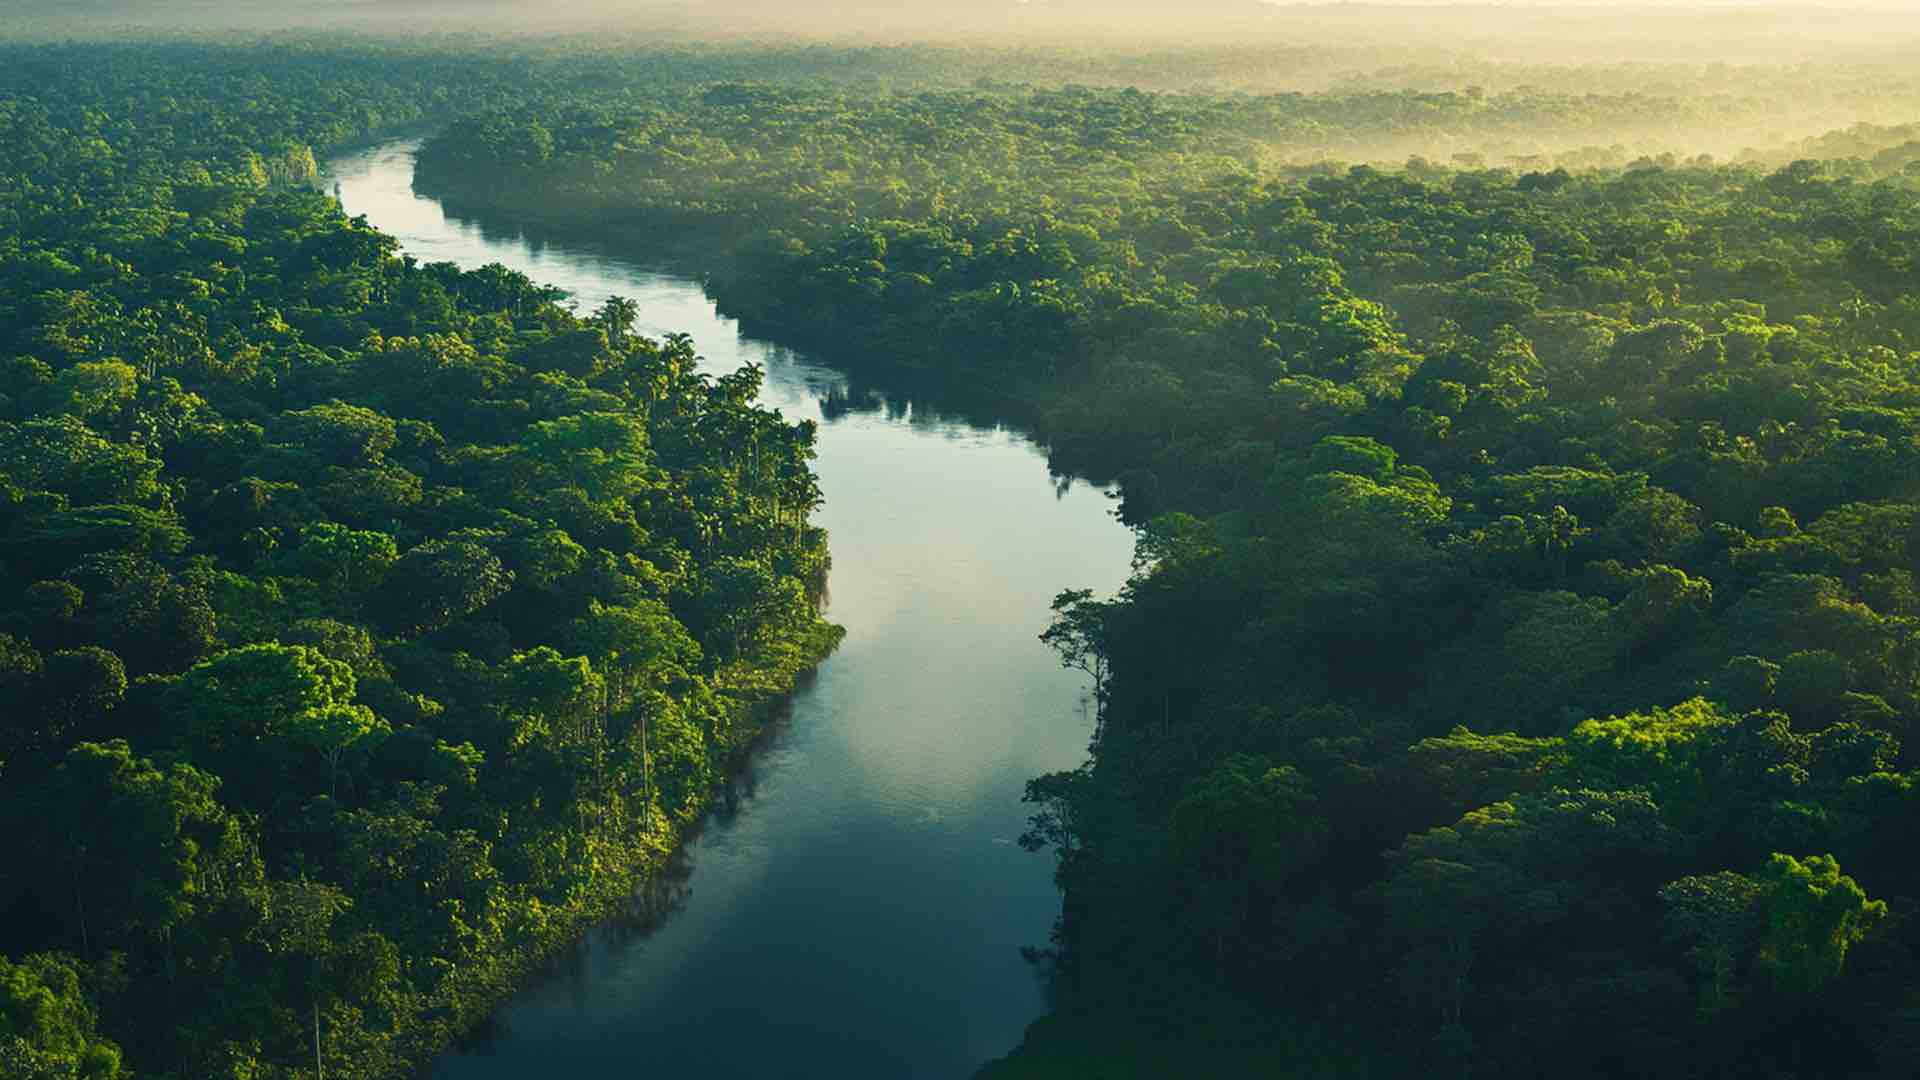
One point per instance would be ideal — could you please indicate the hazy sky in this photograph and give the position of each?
(1525, 30)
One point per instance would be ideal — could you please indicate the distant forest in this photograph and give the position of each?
(1519, 672)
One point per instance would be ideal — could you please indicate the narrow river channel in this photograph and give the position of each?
(859, 914)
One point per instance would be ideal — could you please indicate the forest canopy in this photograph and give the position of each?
(369, 627)
(1520, 655)
(1521, 666)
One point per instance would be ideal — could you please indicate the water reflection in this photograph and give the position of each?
(855, 906)
(604, 258)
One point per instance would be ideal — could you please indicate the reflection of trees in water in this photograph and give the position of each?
(485, 1035)
(921, 404)
(655, 900)
(924, 401)
(658, 896)
(839, 402)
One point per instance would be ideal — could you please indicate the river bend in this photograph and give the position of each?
(858, 914)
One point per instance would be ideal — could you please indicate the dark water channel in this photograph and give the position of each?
(858, 913)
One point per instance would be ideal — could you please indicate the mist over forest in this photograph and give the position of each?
(1730, 31)
(1730, 80)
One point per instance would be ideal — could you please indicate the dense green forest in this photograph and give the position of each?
(1518, 671)
(1522, 653)
(368, 627)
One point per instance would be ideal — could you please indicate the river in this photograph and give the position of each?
(859, 913)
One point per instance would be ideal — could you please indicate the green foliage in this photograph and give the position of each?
(115, 847)
(1487, 515)
(346, 559)
(1247, 819)
(1717, 918)
(1079, 634)
(94, 391)
(1494, 511)
(441, 581)
(47, 1026)
(245, 694)
(352, 657)
(1814, 915)
(642, 641)
(1660, 751)
(336, 433)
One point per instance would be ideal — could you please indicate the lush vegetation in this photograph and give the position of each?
(366, 627)
(1521, 659)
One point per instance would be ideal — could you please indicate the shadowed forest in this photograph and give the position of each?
(1517, 413)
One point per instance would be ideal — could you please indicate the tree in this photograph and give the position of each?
(123, 847)
(1665, 604)
(110, 528)
(54, 607)
(346, 559)
(1747, 683)
(1813, 915)
(95, 391)
(242, 711)
(1081, 635)
(741, 601)
(1486, 889)
(636, 648)
(1668, 753)
(1242, 830)
(21, 667)
(1451, 774)
(439, 582)
(1811, 684)
(605, 453)
(1545, 653)
(1716, 917)
(1247, 819)
(336, 433)
(154, 622)
(1058, 797)
(641, 638)
(47, 1026)
(244, 693)
(334, 730)
(1659, 524)
(63, 454)
(80, 687)
(616, 315)
(296, 928)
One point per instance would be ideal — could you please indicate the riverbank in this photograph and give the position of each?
(869, 879)
(403, 622)
(707, 248)
(476, 992)
(637, 865)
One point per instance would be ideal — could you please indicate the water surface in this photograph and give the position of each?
(860, 913)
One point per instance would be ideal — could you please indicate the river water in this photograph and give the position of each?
(859, 914)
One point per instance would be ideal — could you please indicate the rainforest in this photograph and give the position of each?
(1073, 541)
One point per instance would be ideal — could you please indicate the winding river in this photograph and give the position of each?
(858, 912)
